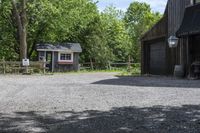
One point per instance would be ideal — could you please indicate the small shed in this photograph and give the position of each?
(60, 57)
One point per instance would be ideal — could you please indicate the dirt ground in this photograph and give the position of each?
(98, 103)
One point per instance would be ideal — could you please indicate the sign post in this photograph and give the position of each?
(25, 63)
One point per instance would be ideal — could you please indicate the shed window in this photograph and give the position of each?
(66, 57)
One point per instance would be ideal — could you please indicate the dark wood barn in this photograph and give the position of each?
(61, 57)
(181, 19)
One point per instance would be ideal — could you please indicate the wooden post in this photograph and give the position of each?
(129, 63)
(52, 61)
(19, 64)
(44, 65)
(142, 57)
(188, 57)
(91, 64)
(4, 66)
(109, 65)
(26, 69)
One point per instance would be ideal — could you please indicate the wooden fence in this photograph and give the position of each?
(89, 65)
(16, 67)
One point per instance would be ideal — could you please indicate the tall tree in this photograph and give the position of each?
(19, 9)
(116, 34)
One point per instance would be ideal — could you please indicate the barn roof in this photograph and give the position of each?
(74, 47)
(191, 21)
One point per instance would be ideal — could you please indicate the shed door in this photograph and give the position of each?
(157, 58)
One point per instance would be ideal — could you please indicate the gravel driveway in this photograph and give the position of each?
(98, 103)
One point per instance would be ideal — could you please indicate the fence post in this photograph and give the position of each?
(91, 64)
(20, 68)
(109, 65)
(129, 63)
(4, 66)
(44, 66)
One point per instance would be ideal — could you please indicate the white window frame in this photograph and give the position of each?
(59, 55)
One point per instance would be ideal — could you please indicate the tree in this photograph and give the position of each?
(95, 44)
(105, 38)
(117, 36)
(19, 10)
(139, 18)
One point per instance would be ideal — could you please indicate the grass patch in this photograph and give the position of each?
(122, 71)
(133, 71)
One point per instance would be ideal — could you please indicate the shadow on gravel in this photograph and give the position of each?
(150, 82)
(118, 120)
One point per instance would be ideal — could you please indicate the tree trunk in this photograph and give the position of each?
(23, 45)
(91, 64)
(20, 16)
(21, 25)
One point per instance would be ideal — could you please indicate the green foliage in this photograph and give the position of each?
(117, 38)
(107, 36)
(6, 28)
(58, 21)
(134, 71)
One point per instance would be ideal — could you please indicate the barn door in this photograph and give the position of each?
(157, 58)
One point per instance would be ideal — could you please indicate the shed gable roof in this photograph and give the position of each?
(74, 47)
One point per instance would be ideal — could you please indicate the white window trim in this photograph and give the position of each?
(72, 57)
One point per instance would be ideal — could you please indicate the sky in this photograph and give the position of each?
(156, 5)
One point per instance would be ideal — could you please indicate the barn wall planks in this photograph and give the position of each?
(176, 9)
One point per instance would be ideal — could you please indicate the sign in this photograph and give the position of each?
(25, 62)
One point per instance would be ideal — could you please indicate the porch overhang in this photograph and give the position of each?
(191, 22)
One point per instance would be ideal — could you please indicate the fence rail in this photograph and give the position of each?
(16, 67)
(91, 65)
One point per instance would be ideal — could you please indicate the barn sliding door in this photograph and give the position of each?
(157, 58)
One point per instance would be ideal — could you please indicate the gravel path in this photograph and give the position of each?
(98, 103)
